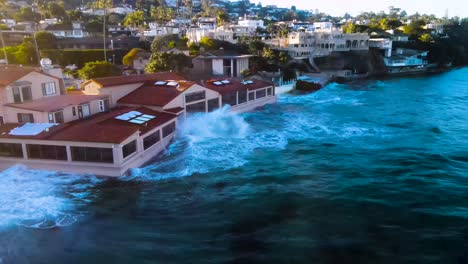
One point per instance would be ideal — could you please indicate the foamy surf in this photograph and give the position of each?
(41, 199)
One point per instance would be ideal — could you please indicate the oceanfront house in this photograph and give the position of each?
(21, 86)
(406, 60)
(320, 43)
(72, 30)
(119, 86)
(106, 144)
(222, 63)
(382, 44)
(242, 95)
(173, 96)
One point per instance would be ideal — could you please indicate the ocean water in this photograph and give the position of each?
(366, 172)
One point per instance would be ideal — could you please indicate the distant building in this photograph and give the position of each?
(220, 63)
(404, 59)
(73, 30)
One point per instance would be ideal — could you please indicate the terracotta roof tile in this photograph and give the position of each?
(155, 95)
(100, 128)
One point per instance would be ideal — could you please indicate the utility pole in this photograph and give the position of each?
(104, 32)
(3, 47)
(37, 48)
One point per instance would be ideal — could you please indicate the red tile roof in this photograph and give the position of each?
(107, 82)
(235, 85)
(100, 128)
(11, 73)
(155, 95)
(53, 103)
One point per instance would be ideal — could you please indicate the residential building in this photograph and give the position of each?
(173, 96)
(220, 63)
(119, 86)
(406, 59)
(251, 24)
(73, 30)
(107, 144)
(384, 44)
(243, 95)
(398, 35)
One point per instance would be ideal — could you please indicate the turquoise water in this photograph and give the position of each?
(367, 172)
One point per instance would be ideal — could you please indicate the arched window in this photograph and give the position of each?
(355, 43)
(348, 44)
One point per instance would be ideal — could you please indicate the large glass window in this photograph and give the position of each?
(46, 152)
(26, 91)
(269, 91)
(151, 140)
(213, 104)
(84, 111)
(261, 93)
(56, 117)
(104, 105)
(129, 149)
(230, 98)
(11, 150)
(242, 96)
(197, 96)
(25, 118)
(251, 96)
(87, 154)
(48, 88)
(196, 108)
(169, 129)
(16, 95)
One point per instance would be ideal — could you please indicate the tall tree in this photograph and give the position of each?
(135, 19)
(98, 69)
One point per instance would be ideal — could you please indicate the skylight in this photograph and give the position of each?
(135, 117)
(226, 82)
(160, 83)
(31, 129)
(247, 82)
(217, 83)
(172, 83)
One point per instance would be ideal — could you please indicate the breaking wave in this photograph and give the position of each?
(41, 199)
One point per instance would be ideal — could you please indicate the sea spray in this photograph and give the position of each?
(207, 142)
(41, 199)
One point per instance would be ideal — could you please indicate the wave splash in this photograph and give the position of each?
(41, 199)
(208, 142)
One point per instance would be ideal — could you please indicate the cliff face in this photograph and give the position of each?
(359, 61)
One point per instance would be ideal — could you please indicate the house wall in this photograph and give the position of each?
(11, 113)
(36, 79)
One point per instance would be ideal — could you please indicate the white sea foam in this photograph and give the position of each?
(209, 142)
(40, 199)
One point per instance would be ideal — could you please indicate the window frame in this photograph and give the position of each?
(49, 88)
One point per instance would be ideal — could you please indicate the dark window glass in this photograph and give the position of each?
(169, 129)
(47, 152)
(58, 117)
(213, 104)
(251, 96)
(74, 111)
(129, 149)
(16, 95)
(196, 108)
(26, 91)
(25, 118)
(269, 91)
(11, 150)
(151, 140)
(261, 93)
(230, 98)
(86, 154)
(242, 96)
(197, 96)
